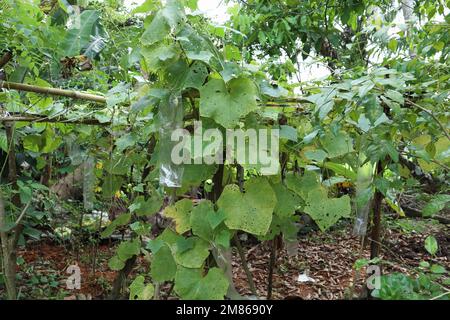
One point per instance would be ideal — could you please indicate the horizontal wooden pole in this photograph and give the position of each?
(101, 99)
(52, 120)
(52, 91)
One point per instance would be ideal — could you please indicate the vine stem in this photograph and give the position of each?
(273, 253)
(241, 253)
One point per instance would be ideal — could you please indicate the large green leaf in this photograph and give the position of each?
(45, 143)
(163, 267)
(128, 249)
(180, 212)
(226, 104)
(190, 285)
(116, 264)
(167, 19)
(287, 200)
(198, 72)
(159, 55)
(140, 291)
(111, 185)
(435, 205)
(341, 169)
(193, 257)
(195, 45)
(79, 36)
(324, 101)
(195, 174)
(303, 185)
(32, 142)
(431, 245)
(337, 145)
(156, 31)
(199, 220)
(250, 211)
(169, 236)
(326, 212)
(316, 155)
(121, 220)
(147, 207)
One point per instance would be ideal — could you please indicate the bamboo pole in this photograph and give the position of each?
(52, 91)
(53, 120)
(282, 103)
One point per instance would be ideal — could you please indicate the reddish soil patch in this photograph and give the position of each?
(48, 258)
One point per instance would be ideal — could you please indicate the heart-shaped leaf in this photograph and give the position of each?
(250, 211)
(326, 212)
(226, 104)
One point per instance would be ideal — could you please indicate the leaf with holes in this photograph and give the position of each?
(326, 212)
(140, 291)
(303, 185)
(250, 211)
(196, 77)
